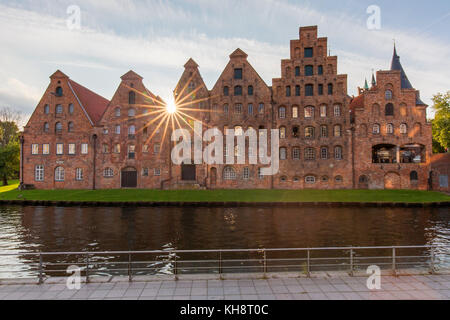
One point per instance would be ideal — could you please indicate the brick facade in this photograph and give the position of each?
(327, 138)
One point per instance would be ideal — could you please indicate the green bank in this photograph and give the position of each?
(137, 195)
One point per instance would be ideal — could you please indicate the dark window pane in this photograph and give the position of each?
(226, 91)
(250, 90)
(238, 73)
(238, 91)
(288, 91)
(309, 70)
(297, 91)
(308, 52)
(309, 90)
(297, 71)
(320, 70)
(320, 89)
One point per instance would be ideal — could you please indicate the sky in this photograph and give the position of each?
(155, 38)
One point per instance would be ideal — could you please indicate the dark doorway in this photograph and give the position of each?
(129, 178)
(188, 172)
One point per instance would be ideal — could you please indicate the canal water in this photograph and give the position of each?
(57, 229)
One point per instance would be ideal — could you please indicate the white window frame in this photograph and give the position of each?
(79, 174)
(34, 149)
(39, 173)
(46, 149)
(60, 174)
(84, 148)
(59, 149)
(72, 149)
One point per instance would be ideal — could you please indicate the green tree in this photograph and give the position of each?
(441, 122)
(9, 145)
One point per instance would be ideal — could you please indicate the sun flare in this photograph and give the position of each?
(171, 106)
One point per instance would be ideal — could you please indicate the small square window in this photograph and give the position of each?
(238, 74)
(157, 172)
(309, 52)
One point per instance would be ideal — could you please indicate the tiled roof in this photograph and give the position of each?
(94, 104)
(357, 102)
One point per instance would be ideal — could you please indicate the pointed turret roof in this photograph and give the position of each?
(374, 81)
(396, 65)
(366, 85)
(238, 53)
(191, 64)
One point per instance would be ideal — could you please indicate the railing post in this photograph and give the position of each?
(87, 268)
(265, 262)
(41, 276)
(220, 264)
(432, 271)
(351, 262)
(175, 267)
(130, 270)
(394, 263)
(308, 264)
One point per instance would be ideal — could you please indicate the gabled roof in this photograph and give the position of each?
(191, 64)
(131, 75)
(396, 65)
(238, 53)
(94, 104)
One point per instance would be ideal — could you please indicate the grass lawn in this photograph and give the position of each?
(226, 195)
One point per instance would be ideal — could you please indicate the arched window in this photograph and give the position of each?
(238, 91)
(70, 127)
(337, 110)
(226, 91)
(59, 92)
(283, 153)
(390, 128)
(59, 109)
(58, 127)
(131, 112)
(324, 153)
(414, 177)
(131, 97)
(309, 90)
(323, 111)
(376, 129)
(339, 179)
(131, 130)
(296, 132)
(46, 127)
(337, 131)
(47, 109)
(250, 90)
(59, 174)
(338, 153)
(261, 108)
(282, 112)
(108, 173)
(310, 179)
(295, 112)
(309, 112)
(117, 112)
(309, 132)
(238, 131)
(229, 173)
(389, 110)
(388, 95)
(296, 153)
(282, 132)
(324, 131)
(117, 129)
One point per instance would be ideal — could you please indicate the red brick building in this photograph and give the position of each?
(77, 139)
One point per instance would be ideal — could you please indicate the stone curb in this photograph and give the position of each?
(225, 204)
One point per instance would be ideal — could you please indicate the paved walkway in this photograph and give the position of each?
(323, 287)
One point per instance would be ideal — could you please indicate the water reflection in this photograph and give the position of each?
(47, 229)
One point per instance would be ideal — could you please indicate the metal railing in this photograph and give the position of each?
(169, 262)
